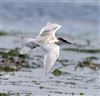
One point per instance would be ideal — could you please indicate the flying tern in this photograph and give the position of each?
(48, 42)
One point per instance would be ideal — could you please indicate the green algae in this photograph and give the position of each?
(91, 58)
(7, 69)
(82, 50)
(4, 94)
(57, 72)
(3, 33)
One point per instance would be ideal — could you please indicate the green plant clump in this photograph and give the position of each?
(7, 69)
(57, 72)
(81, 94)
(83, 50)
(4, 94)
(91, 58)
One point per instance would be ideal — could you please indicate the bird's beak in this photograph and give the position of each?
(68, 42)
(61, 40)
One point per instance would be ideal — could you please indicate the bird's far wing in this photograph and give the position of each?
(49, 29)
(29, 42)
(25, 40)
(50, 57)
(27, 45)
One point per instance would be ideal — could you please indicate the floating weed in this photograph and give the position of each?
(83, 50)
(57, 72)
(10, 53)
(12, 61)
(81, 93)
(91, 58)
(4, 54)
(3, 33)
(7, 69)
(13, 52)
(88, 63)
(4, 94)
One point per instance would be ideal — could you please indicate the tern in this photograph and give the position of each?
(48, 42)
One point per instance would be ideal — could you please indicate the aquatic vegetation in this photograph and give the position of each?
(87, 63)
(13, 52)
(23, 56)
(4, 94)
(82, 50)
(12, 60)
(57, 72)
(10, 53)
(91, 58)
(81, 93)
(7, 69)
(3, 33)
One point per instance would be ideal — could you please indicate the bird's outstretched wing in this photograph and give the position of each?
(50, 57)
(28, 44)
(49, 29)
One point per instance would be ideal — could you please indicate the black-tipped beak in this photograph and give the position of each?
(68, 42)
(61, 40)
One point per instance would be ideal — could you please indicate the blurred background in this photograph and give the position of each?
(30, 16)
(80, 20)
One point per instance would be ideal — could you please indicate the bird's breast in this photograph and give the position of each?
(46, 40)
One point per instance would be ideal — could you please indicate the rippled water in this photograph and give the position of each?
(32, 81)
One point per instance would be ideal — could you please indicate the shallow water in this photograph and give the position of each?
(32, 81)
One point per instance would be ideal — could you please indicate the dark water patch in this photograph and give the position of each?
(58, 92)
(41, 87)
(71, 83)
(93, 51)
(34, 81)
(35, 65)
(63, 62)
(58, 82)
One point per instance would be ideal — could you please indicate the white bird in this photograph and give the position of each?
(48, 42)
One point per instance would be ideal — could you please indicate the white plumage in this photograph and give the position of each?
(48, 42)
